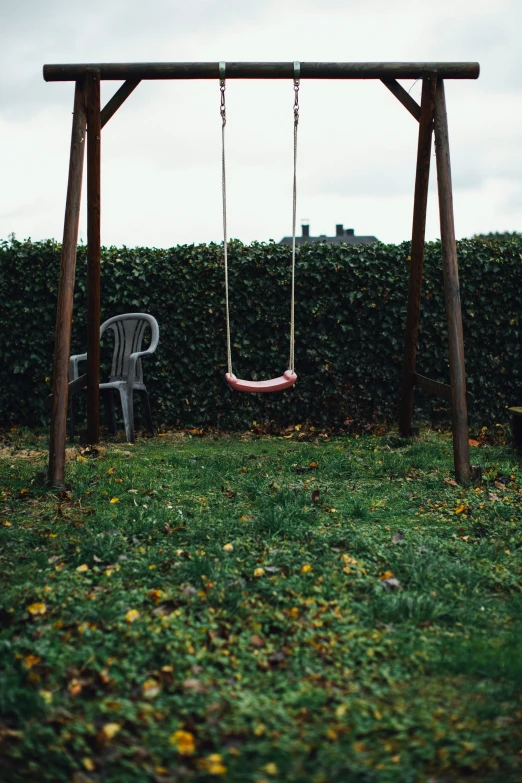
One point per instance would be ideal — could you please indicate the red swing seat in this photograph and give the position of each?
(273, 384)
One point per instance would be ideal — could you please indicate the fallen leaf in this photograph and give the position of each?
(306, 568)
(314, 465)
(88, 764)
(390, 584)
(132, 615)
(272, 569)
(473, 442)
(228, 548)
(150, 689)
(213, 764)
(184, 742)
(256, 640)
(47, 696)
(259, 572)
(114, 500)
(397, 538)
(82, 568)
(109, 730)
(30, 661)
(386, 575)
(461, 509)
(230, 493)
(111, 471)
(37, 609)
(451, 482)
(191, 684)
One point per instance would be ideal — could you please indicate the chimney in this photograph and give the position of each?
(350, 232)
(306, 230)
(339, 230)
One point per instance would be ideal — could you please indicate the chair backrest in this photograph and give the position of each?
(129, 330)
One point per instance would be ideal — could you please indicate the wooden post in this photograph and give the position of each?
(459, 410)
(64, 312)
(92, 100)
(429, 86)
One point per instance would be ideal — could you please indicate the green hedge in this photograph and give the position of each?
(350, 313)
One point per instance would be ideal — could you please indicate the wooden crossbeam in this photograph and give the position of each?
(264, 70)
(437, 388)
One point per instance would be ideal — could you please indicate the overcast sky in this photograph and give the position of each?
(161, 179)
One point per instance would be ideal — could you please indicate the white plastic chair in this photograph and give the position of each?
(126, 371)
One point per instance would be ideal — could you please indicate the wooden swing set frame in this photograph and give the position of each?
(88, 120)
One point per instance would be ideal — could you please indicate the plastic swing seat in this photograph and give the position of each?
(289, 377)
(272, 385)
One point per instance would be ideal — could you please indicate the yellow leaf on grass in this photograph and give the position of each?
(150, 688)
(114, 500)
(184, 742)
(109, 730)
(111, 471)
(79, 458)
(213, 764)
(460, 509)
(386, 575)
(132, 615)
(6, 523)
(228, 548)
(270, 768)
(88, 764)
(306, 568)
(259, 572)
(314, 465)
(47, 696)
(82, 568)
(37, 609)
(30, 661)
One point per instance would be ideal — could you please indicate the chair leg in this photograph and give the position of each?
(127, 404)
(147, 410)
(108, 399)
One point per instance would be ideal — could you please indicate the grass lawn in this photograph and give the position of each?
(260, 610)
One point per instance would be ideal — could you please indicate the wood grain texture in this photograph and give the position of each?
(62, 349)
(92, 100)
(420, 203)
(262, 70)
(403, 96)
(119, 97)
(459, 410)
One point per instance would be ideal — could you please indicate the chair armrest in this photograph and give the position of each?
(73, 365)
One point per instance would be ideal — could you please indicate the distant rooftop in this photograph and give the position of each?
(342, 236)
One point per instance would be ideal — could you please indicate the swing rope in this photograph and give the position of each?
(297, 69)
(289, 377)
(223, 113)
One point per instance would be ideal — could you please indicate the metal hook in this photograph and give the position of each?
(297, 72)
(222, 73)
